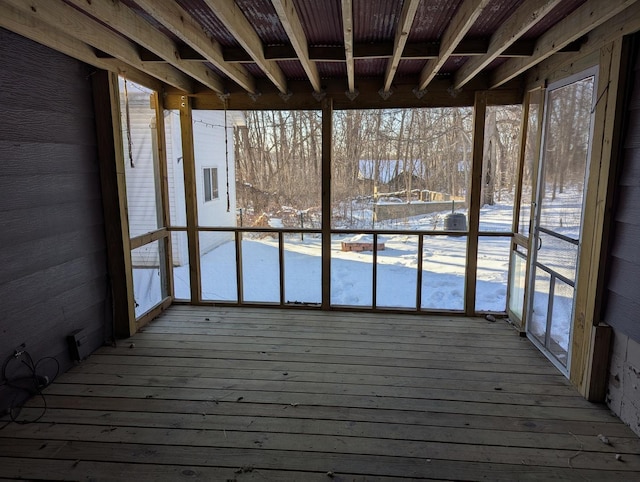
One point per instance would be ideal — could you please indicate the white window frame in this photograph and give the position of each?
(210, 177)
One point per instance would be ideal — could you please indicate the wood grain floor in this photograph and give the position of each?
(258, 394)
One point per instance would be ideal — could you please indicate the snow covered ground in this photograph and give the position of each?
(443, 270)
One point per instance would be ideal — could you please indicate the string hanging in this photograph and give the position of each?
(128, 121)
(226, 152)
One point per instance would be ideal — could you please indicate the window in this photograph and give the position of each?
(210, 183)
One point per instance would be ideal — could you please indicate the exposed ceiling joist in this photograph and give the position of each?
(31, 27)
(59, 15)
(525, 17)
(291, 22)
(347, 27)
(409, 9)
(128, 23)
(235, 21)
(464, 18)
(184, 26)
(585, 18)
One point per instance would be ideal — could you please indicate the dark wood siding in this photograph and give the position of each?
(622, 310)
(53, 266)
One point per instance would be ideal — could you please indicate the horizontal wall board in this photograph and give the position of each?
(46, 189)
(46, 252)
(623, 314)
(33, 158)
(625, 242)
(628, 210)
(25, 224)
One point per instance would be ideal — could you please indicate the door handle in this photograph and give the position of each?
(539, 243)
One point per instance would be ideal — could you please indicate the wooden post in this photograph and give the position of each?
(106, 100)
(162, 195)
(191, 202)
(479, 113)
(327, 144)
(590, 341)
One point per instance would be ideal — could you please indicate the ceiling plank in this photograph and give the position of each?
(125, 21)
(184, 26)
(347, 27)
(585, 18)
(66, 18)
(467, 13)
(409, 9)
(291, 22)
(33, 28)
(525, 17)
(235, 21)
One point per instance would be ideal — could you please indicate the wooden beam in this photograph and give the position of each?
(235, 21)
(327, 145)
(128, 23)
(479, 115)
(347, 27)
(584, 19)
(114, 198)
(525, 17)
(191, 199)
(184, 26)
(467, 13)
(31, 27)
(409, 9)
(53, 15)
(147, 238)
(625, 23)
(286, 10)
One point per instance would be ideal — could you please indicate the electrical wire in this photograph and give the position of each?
(26, 359)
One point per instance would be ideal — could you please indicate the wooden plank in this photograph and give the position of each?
(147, 238)
(191, 200)
(581, 21)
(625, 246)
(185, 411)
(329, 444)
(40, 31)
(514, 27)
(321, 378)
(479, 114)
(128, 23)
(112, 175)
(311, 461)
(173, 17)
(243, 427)
(464, 18)
(34, 469)
(620, 312)
(234, 20)
(347, 29)
(409, 9)
(58, 15)
(290, 20)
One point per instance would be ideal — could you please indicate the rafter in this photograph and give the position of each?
(409, 9)
(525, 17)
(184, 26)
(585, 18)
(56, 14)
(291, 22)
(235, 21)
(31, 27)
(128, 23)
(347, 27)
(467, 13)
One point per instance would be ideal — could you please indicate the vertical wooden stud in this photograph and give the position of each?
(190, 191)
(479, 114)
(327, 144)
(106, 98)
(162, 191)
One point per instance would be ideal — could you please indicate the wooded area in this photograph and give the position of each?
(376, 153)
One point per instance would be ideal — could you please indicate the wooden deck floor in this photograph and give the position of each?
(255, 394)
